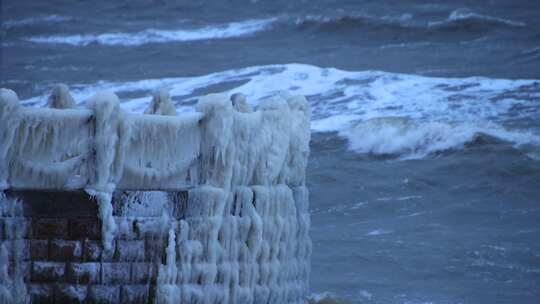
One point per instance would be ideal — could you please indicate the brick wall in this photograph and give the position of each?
(54, 244)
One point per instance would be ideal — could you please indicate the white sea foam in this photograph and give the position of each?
(461, 16)
(410, 140)
(380, 113)
(223, 31)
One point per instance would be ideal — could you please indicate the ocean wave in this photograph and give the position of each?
(7, 24)
(463, 18)
(457, 19)
(223, 31)
(377, 112)
(353, 20)
(407, 139)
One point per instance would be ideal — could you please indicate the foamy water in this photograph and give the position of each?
(378, 113)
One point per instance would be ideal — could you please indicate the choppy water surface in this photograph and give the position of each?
(425, 167)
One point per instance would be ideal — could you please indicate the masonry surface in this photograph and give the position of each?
(56, 246)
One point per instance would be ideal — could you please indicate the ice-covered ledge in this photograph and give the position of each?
(101, 147)
(237, 174)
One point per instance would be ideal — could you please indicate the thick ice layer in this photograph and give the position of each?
(243, 235)
(249, 245)
(12, 287)
(162, 151)
(42, 147)
(268, 146)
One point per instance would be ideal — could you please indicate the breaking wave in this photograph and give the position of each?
(462, 18)
(380, 113)
(223, 31)
(406, 139)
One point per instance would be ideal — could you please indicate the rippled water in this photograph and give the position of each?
(425, 166)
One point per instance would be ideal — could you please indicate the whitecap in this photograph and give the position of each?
(223, 31)
(464, 16)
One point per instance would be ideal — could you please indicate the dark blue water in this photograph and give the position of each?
(425, 166)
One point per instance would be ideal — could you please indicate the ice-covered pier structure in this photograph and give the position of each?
(99, 205)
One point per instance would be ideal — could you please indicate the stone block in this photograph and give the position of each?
(39, 250)
(143, 273)
(151, 227)
(124, 228)
(84, 228)
(48, 272)
(115, 273)
(83, 273)
(61, 250)
(71, 293)
(134, 294)
(155, 250)
(40, 293)
(103, 294)
(46, 228)
(129, 251)
(92, 251)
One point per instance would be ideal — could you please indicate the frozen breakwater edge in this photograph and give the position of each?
(101, 205)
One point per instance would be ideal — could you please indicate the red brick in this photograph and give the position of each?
(129, 251)
(103, 294)
(115, 273)
(70, 293)
(83, 273)
(39, 250)
(143, 273)
(48, 272)
(50, 228)
(92, 251)
(40, 293)
(85, 228)
(134, 294)
(61, 250)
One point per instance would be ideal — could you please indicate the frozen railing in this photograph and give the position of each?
(103, 148)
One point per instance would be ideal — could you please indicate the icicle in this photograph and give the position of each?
(12, 287)
(162, 151)
(111, 135)
(167, 289)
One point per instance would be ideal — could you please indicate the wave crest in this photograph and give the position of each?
(224, 31)
(407, 139)
(462, 18)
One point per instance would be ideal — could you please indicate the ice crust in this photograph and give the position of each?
(244, 235)
(12, 287)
